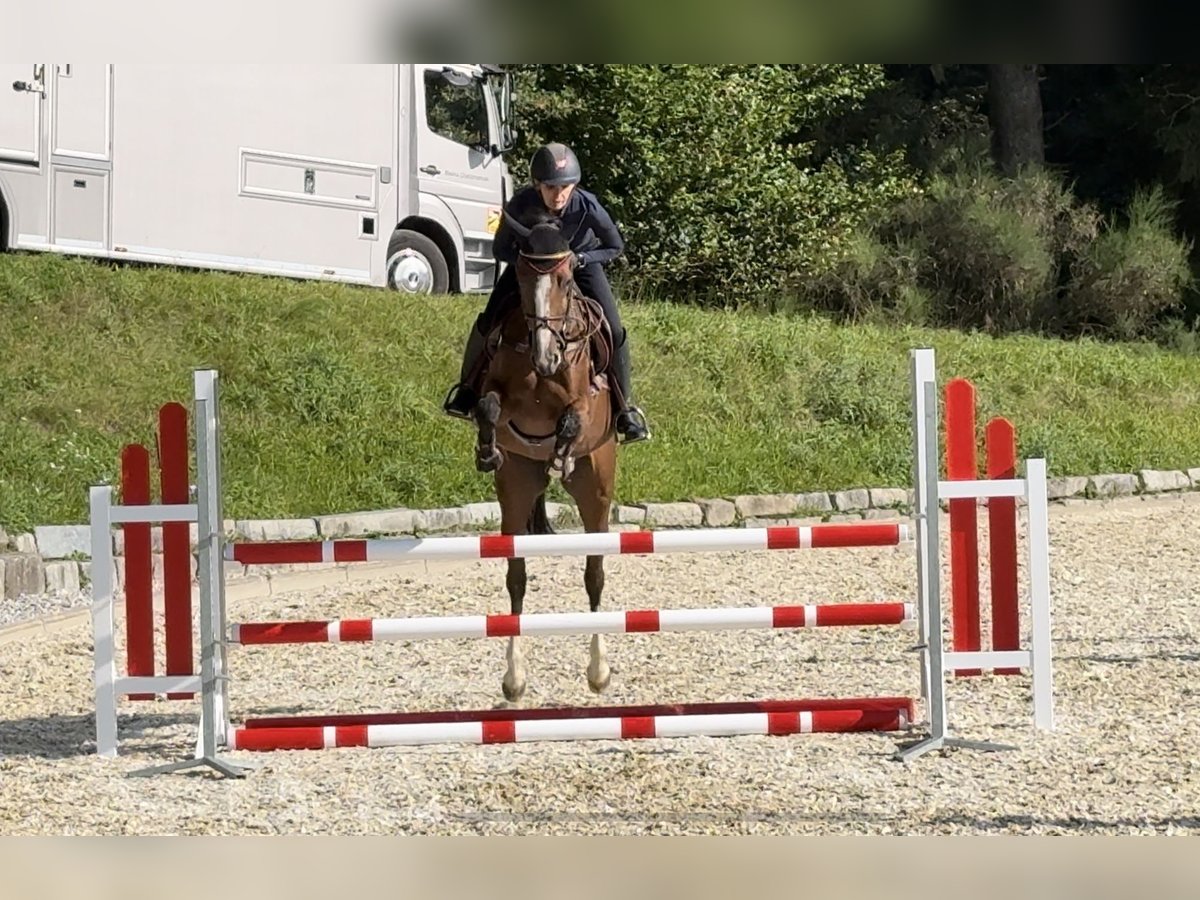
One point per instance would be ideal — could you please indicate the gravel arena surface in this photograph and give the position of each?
(1126, 606)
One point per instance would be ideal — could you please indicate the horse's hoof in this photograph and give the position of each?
(488, 462)
(599, 685)
(512, 692)
(561, 468)
(513, 685)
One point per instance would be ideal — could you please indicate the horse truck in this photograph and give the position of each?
(384, 175)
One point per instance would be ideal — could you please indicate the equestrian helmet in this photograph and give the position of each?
(555, 164)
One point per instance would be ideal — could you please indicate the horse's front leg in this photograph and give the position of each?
(514, 680)
(570, 426)
(518, 486)
(592, 488)
(488, 457)
(598, 672)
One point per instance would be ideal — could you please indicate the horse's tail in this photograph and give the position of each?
(539, 521)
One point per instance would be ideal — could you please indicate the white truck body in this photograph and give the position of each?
(311, 171)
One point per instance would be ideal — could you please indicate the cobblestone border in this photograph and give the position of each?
(56, 558)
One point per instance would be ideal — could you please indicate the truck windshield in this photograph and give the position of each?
(455, 108)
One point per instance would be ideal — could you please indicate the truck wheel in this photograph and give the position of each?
(415, 265)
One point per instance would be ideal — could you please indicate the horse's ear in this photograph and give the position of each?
(516, 226)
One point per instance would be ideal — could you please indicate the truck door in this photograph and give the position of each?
(454, 161)
(81, 157)
(22, 90)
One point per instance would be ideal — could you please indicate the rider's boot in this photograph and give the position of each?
(462, 398)
(631, 421)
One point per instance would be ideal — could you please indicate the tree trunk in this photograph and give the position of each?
(1015, 114)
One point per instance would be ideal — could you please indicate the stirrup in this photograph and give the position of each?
(633, 420)
(454, 402)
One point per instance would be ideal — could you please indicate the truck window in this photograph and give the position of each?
(455, 109)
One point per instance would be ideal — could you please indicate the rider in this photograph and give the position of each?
(594, 237)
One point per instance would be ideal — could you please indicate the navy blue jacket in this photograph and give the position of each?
(593, 234)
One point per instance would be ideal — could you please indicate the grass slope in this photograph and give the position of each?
(331, 394)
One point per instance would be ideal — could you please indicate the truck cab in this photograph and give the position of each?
(464, 116)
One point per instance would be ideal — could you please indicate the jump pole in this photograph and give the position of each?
(905, 705)
(540, 624)
(492, 726)
(783, 722)
(505, 546)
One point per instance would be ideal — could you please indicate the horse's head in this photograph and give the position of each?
(544, 273)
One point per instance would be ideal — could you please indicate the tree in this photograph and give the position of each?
(1015, 114)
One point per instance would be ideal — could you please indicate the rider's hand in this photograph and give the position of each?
(581, 260)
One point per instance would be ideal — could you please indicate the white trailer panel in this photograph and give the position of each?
(371, 174)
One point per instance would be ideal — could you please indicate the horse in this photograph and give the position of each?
(545, 411)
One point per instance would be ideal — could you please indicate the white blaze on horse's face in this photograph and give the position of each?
(546, 356)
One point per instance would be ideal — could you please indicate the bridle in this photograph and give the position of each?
(558, 260)
(568, 346)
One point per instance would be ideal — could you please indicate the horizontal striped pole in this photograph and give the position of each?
(509, 714)
(507, 546)
(572, 729)
(617, 622)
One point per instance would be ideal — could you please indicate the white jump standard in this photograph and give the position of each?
(218, 636)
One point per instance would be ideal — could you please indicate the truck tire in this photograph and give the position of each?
(415, 265)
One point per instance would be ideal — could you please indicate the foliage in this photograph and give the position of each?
(1130, 275)
(973, 249)
(1117, 129)
(931, 113)
(860, 188)
(707, 169)
(976, 250)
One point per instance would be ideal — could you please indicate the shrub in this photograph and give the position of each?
(873, 281)
(973, 249)
(1129, 276)
(996, 249)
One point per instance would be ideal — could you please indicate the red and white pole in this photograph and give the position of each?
(585, 623)
(611, 727)
(507, 546)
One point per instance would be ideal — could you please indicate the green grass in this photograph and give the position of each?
(332, 394)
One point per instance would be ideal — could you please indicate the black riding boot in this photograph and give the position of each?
(461, 400)
(631, 421)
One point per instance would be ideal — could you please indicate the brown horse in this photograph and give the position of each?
(545, 412)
